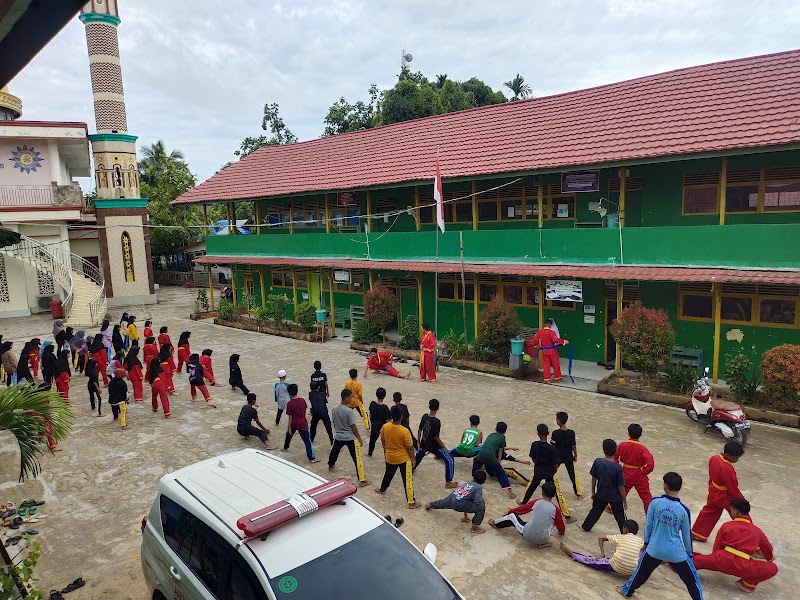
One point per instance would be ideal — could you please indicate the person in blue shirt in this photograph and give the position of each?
(667, 538)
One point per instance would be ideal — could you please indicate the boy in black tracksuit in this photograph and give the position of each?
(564, 441)
(379, 415)
(545, 464)
(319, 411)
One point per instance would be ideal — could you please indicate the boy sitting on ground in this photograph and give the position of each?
(624, 559)
(468, 498)
(544, 514)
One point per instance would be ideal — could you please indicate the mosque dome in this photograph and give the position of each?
(10, 106)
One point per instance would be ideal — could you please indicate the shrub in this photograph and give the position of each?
(743, 384)
(365, 332)
(409, 333)
(678, 379)
(498, 322)
(380, 306)
(645, 337)
(277, 307)
(780, 368)
(454, 344)
(261, 313)
(305, 315)
(479, 351)
(201, 303)
(226, 309)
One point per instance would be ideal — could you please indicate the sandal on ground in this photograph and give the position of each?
(56, 595)
(30, 532)
(9, 506)
(13, 541)
(78, 583)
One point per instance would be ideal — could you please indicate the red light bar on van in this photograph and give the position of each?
(300, 505)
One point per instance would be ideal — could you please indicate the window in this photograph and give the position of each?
(737, 309)
(773, 311)
(487, 292)
(487, 211)
(697, 306)
(464, 212)
(288, 279)
(356, 284)
(511, 210)
(512, 293)
(127, 257)
(751, 191)
(277, 276)
(208, 556)
(249, 286)
(532, 295)
(743, 304)
(447, 290)
(425, 214)
(781, 196)
(242, 584)
(301, 278)
(173, 522)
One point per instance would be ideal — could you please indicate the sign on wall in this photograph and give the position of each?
(580, 181)
(564, 290)
(346, 199)
(341, 276)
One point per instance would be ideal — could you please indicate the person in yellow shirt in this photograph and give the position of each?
(133, 332)
(623, 561)
(356, 396)
(399, 452)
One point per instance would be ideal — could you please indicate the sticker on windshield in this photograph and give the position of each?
(287, 584)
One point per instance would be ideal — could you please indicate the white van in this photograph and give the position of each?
(194, 544)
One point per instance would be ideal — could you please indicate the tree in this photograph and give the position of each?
(441, 79)
(155, 160)
(30, 413)
(344, 117)
(645, 337)
(380, 307)
(519, 88)
(273, 122)
(498, 322)
(483, 94)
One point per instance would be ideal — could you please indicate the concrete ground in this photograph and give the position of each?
(100, 486)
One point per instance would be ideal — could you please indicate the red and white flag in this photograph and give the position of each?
(438, 196)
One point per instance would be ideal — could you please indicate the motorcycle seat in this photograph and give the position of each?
(725, 405)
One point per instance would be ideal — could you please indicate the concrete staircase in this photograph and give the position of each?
(85, 300)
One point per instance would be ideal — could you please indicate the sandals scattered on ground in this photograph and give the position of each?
(58, 595)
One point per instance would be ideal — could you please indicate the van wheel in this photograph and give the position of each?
(158, 596)
(222, 278)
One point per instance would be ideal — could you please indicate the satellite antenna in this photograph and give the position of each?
(405, 58)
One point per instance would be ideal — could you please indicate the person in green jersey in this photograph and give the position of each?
(488, 457)
(471, 440)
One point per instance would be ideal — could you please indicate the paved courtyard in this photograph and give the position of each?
(100, 486)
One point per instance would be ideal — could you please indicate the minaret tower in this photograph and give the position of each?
(121, 211)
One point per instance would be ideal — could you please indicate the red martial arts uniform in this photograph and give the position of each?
(136, 378)
(184, 352)
(101, 356)
(381, 363)
(546, 340)
(34, 356)
(637, 463)
(166, 376)
(147, 332)
(734, 547)
(208, 371)
(62, 385)
(159, 389)
(723, 486)
(149, 352)
(427, 347)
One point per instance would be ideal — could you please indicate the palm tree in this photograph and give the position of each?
(31, 413)
(519, 88)
(155, 160)
(440, 80)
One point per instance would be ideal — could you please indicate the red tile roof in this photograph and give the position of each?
(737, 104)
(585, 272)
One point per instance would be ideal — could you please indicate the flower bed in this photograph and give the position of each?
(295, 333)
(204, 315)
(612, 386)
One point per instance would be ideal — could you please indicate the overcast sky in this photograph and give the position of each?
(198, 72)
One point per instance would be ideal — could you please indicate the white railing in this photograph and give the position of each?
(26, 195)
(62, 266)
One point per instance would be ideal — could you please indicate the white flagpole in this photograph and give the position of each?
(436, 304)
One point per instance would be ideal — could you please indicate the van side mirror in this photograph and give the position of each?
(430, 553)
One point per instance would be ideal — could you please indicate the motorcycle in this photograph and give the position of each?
(226, 293)
(727, 417)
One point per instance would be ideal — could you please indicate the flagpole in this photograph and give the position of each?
(436, 303)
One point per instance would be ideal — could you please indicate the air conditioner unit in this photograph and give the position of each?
(43, 302)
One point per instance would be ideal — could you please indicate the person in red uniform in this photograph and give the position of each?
(35, 357)
(100, 354)
(208, 370)
(165, 358)
(736, 543)
(548, 342)
(163, 338)
(381, 362)
(134, 368)
(63, 375)
(723, 486)
(158, 386)
(184, 350)
(637, 463)
(149, 352)
(427, 350)
(148, 330)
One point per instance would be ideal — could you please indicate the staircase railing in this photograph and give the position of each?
(61, 265)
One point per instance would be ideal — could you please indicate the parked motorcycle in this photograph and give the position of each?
(226, 293)
(727, 417)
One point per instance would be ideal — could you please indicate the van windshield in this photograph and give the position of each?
(379, 564)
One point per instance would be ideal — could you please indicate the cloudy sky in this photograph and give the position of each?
(198, 72)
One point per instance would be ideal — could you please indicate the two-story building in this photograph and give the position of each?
(680, 189)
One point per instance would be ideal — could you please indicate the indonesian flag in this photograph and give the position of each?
(438, 196)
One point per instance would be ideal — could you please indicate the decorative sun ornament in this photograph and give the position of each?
(26, 159)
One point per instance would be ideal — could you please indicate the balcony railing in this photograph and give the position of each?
(26, 195)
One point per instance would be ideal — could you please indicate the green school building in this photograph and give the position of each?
(680, 189)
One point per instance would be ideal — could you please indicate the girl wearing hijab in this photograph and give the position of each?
(148, 330)
(61, 340)
(133, 366)
(123, 324)
(149, 352)
(163, 338)
(158, 386)
(99, 353)
(184, 351)
(80, 350)
(23, 364)
(235, 378)
(49, 361)
(208, 369)
(93, 385)
(164, 359)
(58, 327)
(133, 331)
(197, 379)
(63, 375)
(117, 343)
(9, 363)
(35, 355)
(105, 333)
(69, 342)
